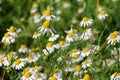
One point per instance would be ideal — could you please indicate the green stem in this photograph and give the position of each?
(3, 75)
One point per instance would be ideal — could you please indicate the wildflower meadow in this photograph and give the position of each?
(59, 39)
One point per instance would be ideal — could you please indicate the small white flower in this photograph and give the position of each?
(85, 52)
(53, 37)
(102, 15)
(36, 18)
(31, 59)
(19, 64)
(7, 60)
(86, 22)
(40, 76)
(86, 63)
(36, 35)
(115, 76)
(12, 32)
(23, 49)
(33, 10)
(1, 59)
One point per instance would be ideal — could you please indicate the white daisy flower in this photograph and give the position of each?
(31, 59)
(57, 73)
(33, 10)
(87, 34)
(34, 52)
(37, 68)
(36, 18)
(36, 35)
(66, 4)
(115, 76)
(69, 37)
(28, 76)
(113, 38)
(53, 37)
(85, 52)
(47, 15)
(19, 64)
(55, 78)
(8, 39)
(102, 15)
(1, 59)
(86, 63)
(108, 62)
(78, 70)
(23, 49)
(40, 76)
(7, 60)
(12, 32)
(45, 28)
(86, 22)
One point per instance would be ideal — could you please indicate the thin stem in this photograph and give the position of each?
(3, 75)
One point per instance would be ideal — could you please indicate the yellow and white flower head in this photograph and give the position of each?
(66, 5)
(8, 39)
(1, 59)
(40, 76)
(86, 77)
(94, 48)
(57, 73)
(33, 10)
(35, 5)
(78, 70)
(50, 48)
(45, 28)
(47, 15)
(36, 18)
(75, 56)
(36, 35)
(55, 78)
(108, 62)
(102, 15)
(7, 60)
(37, 68)
(12, 31)
(115, 76)
(23, 49)
(31, 59)
(113, 38)
(69, 37)
(61, 44)
(19, 64)
(87, 34)
(86, 22)
(99, 8)
(53, 37)
(85, 52)
(86, 63)
(27, 75)
(34, 52)
(115, 51)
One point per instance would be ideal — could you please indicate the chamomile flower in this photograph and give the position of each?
(8, 39)
(1, 60)
(86, 77)
(31, 59)
(108, 62)
(99, 8)
(23, 49)
(53, 37)
(36, 18)
(19, 64)
(28, 76)
(7, 60)
(34, 52)
(45, 28)
(33, 10)
(36, 35)
(12, 31)
(66, 4)
(113, 38)
(115, 76)
(37, 68)
(102, 15)
(40, 76)
(69, 37)
(75, 56)
(47, 15)
(78, 70)
(86, 63)
(85, 52)
(87, 34)
(57, 73)
(86, 22)
(55, 78)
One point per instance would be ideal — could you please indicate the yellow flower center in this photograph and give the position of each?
(85, 62)
(12, 29)
(37, 76)
(47, 12)
(46, 24)
(49, 44)
(75, 31)
(52, 36)
(75, 56)
(23, 46)
(70, 35)
(1, 60)
(30, 57)
(9, 58)
(74, 50)
(34, 50)
(108, 61)
(85, 19)
(36, 68)
(86, 30)
(102, 12)
(114, 35)
(61, 43)
(78, 68)
(35, 33)
(7, 35)
(26, 69)
(85, 50)
(53, 78)
(27, 74)
(18, 61)
(86, 77)
(56, 71)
